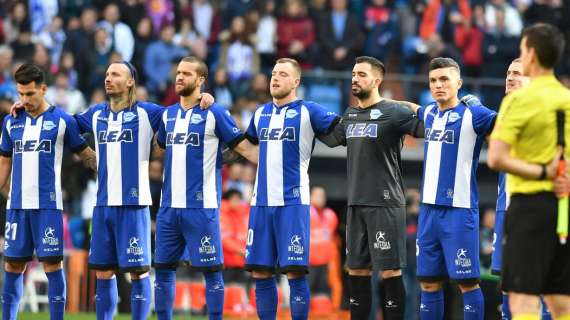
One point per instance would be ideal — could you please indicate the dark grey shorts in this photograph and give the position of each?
(376, 237)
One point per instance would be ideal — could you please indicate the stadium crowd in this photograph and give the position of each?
(74, 42)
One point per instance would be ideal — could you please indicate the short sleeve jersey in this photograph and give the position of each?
(36, 147)
(193, 141)
(122, 142)
(452, 144)
(286, 136)
(374, 138)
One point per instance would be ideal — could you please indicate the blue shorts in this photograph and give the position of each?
(120, 238)
(496, 257)
(188, 234)
(447, 243)
(278, 239)
(33, 229)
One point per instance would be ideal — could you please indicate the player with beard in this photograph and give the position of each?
(189, 219)
(374, 132)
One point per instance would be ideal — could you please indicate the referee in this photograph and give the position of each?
(523, 144)
(373, 132)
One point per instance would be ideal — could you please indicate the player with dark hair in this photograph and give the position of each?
(373, 132)
(31, 149)
(523, 144)
(278, 234)
(448, 228)
(189, 218)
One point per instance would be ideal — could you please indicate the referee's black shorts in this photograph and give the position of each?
(534, 261)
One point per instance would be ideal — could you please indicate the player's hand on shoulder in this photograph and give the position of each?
(470, 100)
(206, 100)
(15, 108)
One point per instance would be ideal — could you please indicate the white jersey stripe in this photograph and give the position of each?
(274, 161)
(30, 161)
(145, 137)
(58, 159)
(432, 166)
(306, 137)
(462, 185)
(210, 153)
(178, 171)
(256, 117)
(114, 171)
(9, 201)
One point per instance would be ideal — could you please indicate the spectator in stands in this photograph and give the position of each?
(99, 58)
(441, 16)
(267, 36)
(53, 37)
(63, 95)
(161, 12)
(16, 20)
(67, 65)
(119, 33)
(499, 49)
(238, 56)
(190, 39)
(220, 88)
(80, 42)
(158, 61)
(512, 22)
(235, 8)
(133, 11)
(324, 222)
(259, 88)
(339, 37)
(383, 30)
(42, 13)
(23, 46)
(486, 231)
(144, 36)
(42, 59)
(234, 215)
(6, 56)
(296, 34)
(469, 38)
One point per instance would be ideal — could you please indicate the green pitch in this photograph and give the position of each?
(91, 316)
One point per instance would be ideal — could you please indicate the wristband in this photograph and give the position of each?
(542, 172)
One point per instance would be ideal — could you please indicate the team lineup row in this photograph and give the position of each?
(279, 140)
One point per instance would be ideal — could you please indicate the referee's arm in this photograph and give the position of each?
(499, 158)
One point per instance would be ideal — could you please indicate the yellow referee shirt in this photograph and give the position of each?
(527, 121)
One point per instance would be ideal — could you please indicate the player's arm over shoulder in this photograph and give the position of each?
(483, 119)
(323, 120)
(407, 120)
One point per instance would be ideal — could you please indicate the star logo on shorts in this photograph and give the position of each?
(380, 236)
(462, 253)
(296, 240)
(205, 241)
(49, 232)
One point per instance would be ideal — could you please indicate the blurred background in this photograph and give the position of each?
(74, 41)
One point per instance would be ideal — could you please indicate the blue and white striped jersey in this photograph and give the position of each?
(192, 140)
(122, 142)
(452, 145)
(36, 147)
(286, 138)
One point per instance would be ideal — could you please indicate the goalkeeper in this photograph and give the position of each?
(523, 144)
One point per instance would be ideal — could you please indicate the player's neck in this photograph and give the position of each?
(449, 104)
(188, 102)
(373, 99)
(43, 107)
(119, 103)
(283, 101)
(538, 71)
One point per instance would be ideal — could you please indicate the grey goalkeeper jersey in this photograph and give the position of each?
(374, 138)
